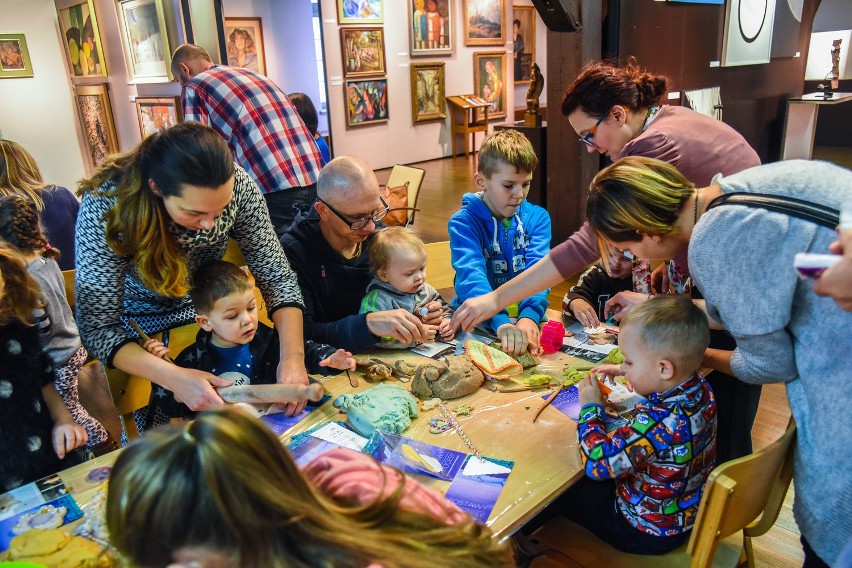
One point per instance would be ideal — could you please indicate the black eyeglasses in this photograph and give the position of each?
(361, 222)
(587, 139)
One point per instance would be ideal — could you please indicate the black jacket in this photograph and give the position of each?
(596, 287)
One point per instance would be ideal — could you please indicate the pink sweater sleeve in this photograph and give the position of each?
(349, 477)
(575, 253)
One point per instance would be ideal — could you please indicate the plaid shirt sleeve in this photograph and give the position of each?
(194, 109)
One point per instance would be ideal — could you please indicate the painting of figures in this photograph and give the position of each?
(360, 12)
(363, 51)
(431, 26)
(428, 100)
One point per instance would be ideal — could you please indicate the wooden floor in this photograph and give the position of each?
(448, 179)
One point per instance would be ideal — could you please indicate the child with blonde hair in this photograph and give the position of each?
(21, 229)
(37, 433)
(398, 264)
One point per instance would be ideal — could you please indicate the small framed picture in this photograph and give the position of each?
(366, 101)
(82, 38)
(157, 113)
(14, 57)
(431, 27)
(97, 123)
(523, 42)
(483, 22)
(145, 41)
(364, 12)
(363, 51)
(489, 76)
(244, 38)
(428, 100)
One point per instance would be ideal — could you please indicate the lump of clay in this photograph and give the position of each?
(383, 407)
(453, 377)
(603, 338)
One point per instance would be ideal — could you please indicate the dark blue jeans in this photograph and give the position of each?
(280, 204)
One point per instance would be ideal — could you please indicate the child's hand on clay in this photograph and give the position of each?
(340, 359)
(608, 371)
(531, 330)
(156, 348)
(445, 330)
(589, 390)
(431, 332)
(67, 436)
(585, 313)
(512, 340)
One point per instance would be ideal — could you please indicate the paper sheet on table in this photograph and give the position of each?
(306, 446)
(478, 486)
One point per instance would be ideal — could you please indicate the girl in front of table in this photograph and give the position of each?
(147, 220)
(223, 492)
(742, 259)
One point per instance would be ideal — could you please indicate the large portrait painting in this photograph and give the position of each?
(363, 51)
(97, 123)
(157, 113)
(748, 32)
(364, 12)
(523, 43)
(14, 57)
(244, 37)
(489, 74)
(483, 22)
(145, 38)
(430, 26)
(428, 100)
(82, 38)
(366, 101)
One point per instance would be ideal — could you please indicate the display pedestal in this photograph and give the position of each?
(537, 136)
(463, 118)
(800, 123)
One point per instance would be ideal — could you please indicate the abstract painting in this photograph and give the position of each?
(364, 12)
(157, 113)
(785, 33)
(366, 101)
(245, 44)
(748, 32)
(14, 57)
(97, 123)
(431, 27)
(82, 38)
(428, 100)
(489, 73)
(363, 51)
(483, 22)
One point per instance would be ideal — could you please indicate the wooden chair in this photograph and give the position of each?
(736, 494)
(399, 176)
(439, 265)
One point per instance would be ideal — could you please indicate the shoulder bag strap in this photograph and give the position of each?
(807, 210)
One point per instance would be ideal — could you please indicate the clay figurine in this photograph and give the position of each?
(389, 408)
(452, 377)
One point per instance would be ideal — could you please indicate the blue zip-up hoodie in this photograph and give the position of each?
(486, 253)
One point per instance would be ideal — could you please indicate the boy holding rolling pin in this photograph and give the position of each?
(233, 344)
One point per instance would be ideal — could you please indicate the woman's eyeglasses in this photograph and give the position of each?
(361, 222)
(587, 139)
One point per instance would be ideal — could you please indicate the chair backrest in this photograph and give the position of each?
(439, 265)
(69, 276)
(738, 492)
(414, 176)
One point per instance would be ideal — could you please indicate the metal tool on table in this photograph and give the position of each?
(255, 394)
(547, 401)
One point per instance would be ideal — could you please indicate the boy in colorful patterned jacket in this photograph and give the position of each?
(644, 480)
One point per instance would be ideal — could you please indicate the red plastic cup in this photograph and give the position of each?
(552, 335)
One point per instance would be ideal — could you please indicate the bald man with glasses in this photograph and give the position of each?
(327, 247)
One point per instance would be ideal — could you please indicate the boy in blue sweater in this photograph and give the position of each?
(497, 234)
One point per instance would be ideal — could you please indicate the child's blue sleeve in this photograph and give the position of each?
(539, 231)
(470, 265)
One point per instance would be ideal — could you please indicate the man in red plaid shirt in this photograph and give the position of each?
(260, 124)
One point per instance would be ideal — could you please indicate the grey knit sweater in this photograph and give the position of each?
(742, 260)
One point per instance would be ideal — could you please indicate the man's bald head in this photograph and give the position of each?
(346, 178)
(188, 61)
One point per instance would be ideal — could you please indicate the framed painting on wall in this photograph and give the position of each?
(748, 32)
(430, 27)
(97, 123)
(428, 98)
(244, 37)
(14, 57)
(366, 101)
(157, 113)
(363, 51)
(82, 38)
(364, 12)
(523, 42)
(145, 41)
(483, 22)
(489, 74)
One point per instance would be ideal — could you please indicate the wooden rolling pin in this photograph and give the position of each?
(255, 394)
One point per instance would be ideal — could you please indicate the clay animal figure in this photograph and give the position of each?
(385, 407)
(452, 377)
(378, 370)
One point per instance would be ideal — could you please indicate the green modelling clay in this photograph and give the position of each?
(572, 376)
(615, 357)
(537, 380)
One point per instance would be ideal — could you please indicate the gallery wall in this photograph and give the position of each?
(399, 140)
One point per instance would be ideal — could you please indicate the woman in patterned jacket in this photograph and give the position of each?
(148, 219)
